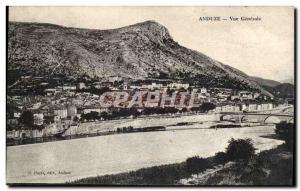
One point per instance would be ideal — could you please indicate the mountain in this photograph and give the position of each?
(140, 51)
(265, 82)
(289, 80)
(284, 90)
(278, 89)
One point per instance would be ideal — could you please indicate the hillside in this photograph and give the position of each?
(284, 90)
(140, 51)
(289, 80)
(265, 82)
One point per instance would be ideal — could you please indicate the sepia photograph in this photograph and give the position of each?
(150, 96)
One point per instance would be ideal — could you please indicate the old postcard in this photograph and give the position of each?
(169, 96)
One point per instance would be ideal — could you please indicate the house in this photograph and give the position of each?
(106, 84)
(100, 85)
(135, 87)
(245, 95)
(89, 109)
(69, 88)
(52, 129)
(60, 111)
(36, 105)
(36, 133)
(244, 107)
(50, 91)
(267, 106)
(256, 95)
(252, 107)
(80, 86)
(235, 97)
(156, 86)
(114, 78)
(203, 90)
(10, 134)
(17, 114)
(57, 119)
(71, 111)
(72, 129)
(12, 121)
(125, 86)
(218, 109)
(25, 134)
(38, 118)
(178, 85)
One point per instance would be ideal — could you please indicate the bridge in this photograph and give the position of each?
(255, 117)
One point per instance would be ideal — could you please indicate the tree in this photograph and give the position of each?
(205, 107)
(196, 164)
(240, 149)
(285, 131)
(75, 119)
(104, 115)
(221, 158)
(27, 118)
(93, 115)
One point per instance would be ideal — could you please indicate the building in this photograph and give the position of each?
(69, 88)
(81, 86)
(156, 86)
(178, 85)
(114, 79)
(17, 114)
(71, 111)
(125, 86)
(252, 107)
(244, 107)
(50, 92)
(267, 106)
(72, 130)
(245, 95)
(89, 109)
(203, 90)
(235, 97)
(36, 133)
(62, 112)
(38, 118)
(12, 121)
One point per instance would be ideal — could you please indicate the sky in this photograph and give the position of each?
(262, 48)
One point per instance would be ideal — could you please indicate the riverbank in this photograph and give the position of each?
(270, 167)
(113, 127)
(92, 156)
(130, 129)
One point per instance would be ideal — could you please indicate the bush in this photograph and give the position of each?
(221, 158)
(240, 149)
(285, 131)
(196, 164)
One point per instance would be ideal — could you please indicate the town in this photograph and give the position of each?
(49, 110)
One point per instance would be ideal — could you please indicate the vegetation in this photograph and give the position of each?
(268, 168)
(197, 164)
(127, 112)
(92, 116)
(285, 131)
(27, 118)
(158, 175)
(221, 158)
(240, 149)
(205, 107)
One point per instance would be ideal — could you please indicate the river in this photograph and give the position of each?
(61, 161)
